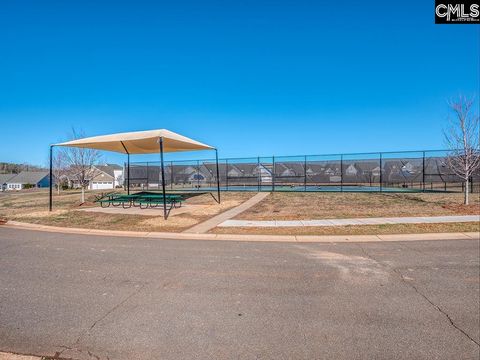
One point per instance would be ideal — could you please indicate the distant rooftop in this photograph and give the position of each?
(4, 178)
(28, 177)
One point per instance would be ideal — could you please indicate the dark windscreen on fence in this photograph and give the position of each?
(370, 172)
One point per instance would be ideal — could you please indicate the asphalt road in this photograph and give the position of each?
(93, 297)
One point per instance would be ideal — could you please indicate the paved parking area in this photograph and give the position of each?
(87, 297)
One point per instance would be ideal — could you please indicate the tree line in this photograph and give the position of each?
(13, 168)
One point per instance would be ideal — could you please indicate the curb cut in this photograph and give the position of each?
(247, 238)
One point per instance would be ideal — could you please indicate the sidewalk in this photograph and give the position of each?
(221, 218)
(355, 221)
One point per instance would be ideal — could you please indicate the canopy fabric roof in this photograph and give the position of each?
(139, 142)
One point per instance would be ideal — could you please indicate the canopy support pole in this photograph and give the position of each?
(128, 168)
(50, 203)
(128, 174)
(163, 180)
(218, 176)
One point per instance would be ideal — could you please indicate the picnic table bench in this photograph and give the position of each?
(143, 200)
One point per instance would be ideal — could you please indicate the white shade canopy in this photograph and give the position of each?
(139, 142)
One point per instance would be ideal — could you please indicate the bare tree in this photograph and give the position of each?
(80, 163)
(462, 139)
(120, 179)
(59, 169)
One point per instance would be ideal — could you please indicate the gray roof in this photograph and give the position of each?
(5, 177)
(28, 177)
(109, 168)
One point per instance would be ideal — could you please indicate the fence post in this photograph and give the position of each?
(305, 171)
(198, 174)
(171, 175)
(273, 173)
(423, 172)
(381, 173)
(341, 173)
(226, 173)
(148, 178)
(259, 177)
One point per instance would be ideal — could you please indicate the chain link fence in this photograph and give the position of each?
(411, 171)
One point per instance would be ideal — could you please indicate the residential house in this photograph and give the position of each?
(4, 178)
(101, 177)
(107, 176)
(29, 179)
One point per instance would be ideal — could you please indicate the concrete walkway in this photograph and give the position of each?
(220, 218)
(356, 221)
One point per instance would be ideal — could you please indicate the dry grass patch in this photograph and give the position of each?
(354, 229)
(32, 207)
(308, 206)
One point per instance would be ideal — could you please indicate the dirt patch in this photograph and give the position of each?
(175, 221)
(463, 209)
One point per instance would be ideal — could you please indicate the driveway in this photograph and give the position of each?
(98, 297)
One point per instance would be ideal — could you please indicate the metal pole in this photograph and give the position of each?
(305, 174)
(273, 173)
(128, 168)
(218, 176)
(124, 177)
(226, 173)
(341, 173)
(163, 180)
(381, 174)
(198, 175)
(128, 174)
(423, 172)
(50, 204)
(148, 177)
(259, 177)
(171, 175)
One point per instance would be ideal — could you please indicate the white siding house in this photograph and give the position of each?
(35, 179)
(4, 178)
(106, 176)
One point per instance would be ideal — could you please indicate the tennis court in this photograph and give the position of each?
(412, 171)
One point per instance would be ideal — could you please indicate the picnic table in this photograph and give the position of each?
(143, 200)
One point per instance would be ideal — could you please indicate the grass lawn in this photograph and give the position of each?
(355, 229)
(312, 206)
(32, 207)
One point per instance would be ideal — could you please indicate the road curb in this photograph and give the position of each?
(248, 238)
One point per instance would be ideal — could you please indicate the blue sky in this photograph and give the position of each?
(250, 77)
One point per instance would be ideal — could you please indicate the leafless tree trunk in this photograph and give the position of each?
(59, 169)
(462, 138)
(81, 162)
